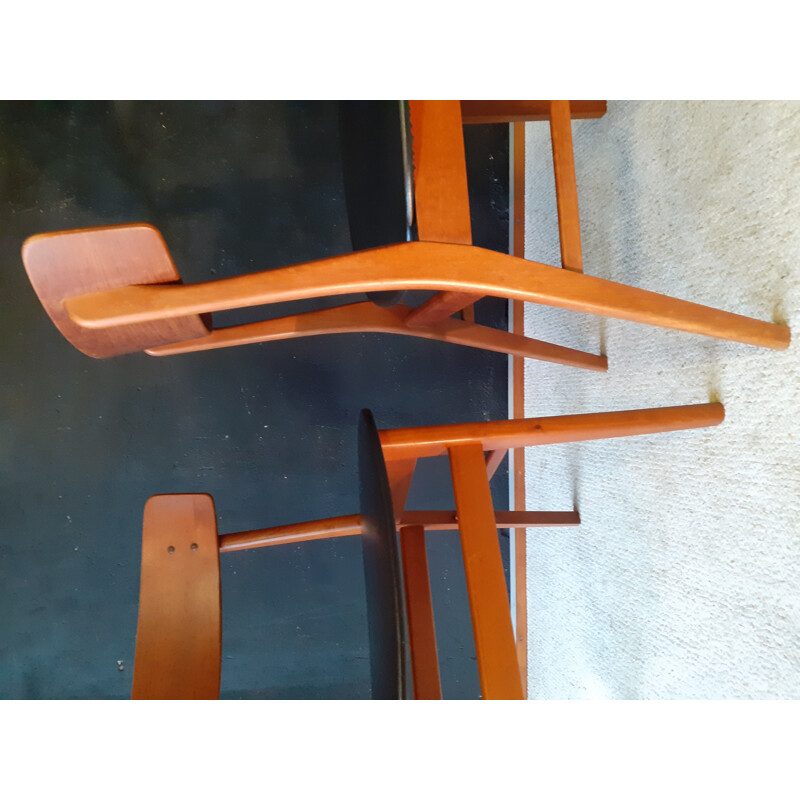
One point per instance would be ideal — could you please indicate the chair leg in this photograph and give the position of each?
(489, 605)
(400, 474)
(569, 226)
(494, 458)
(423, 265)
(448, 520)
(441, 197)
(179, 635)
(367, 317)
(419, 611)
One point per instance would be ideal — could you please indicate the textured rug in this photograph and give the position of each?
(683, 580)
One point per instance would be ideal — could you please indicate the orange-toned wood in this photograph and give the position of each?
(435, 440)
(178, 640)
(569, 225)
(348, 525)
(363, 317)
(423, 265)
(518, 411)
(419, 612)
(448, 520)
(441, 193)
(70, 263)
(494, 458)
(468, 313)
(441, 198)
(441, 306)
(486, 583)
(400, 474)
(521, 111)
(518, 181)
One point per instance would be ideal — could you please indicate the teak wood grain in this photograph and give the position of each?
(423, 265)
(178, 639)
(350, 525)
(518, 407)
(400, 474)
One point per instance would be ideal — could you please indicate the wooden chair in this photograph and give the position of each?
(115, 290)
(178, 645)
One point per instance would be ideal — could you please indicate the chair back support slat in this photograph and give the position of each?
(179, 636)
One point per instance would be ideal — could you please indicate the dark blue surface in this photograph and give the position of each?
(269, 430)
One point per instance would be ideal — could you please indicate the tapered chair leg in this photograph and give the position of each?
(425, 266)
(419, 613)
(488, 597)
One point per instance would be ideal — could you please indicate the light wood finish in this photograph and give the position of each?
(367, 317)
(348, 525)
(178, 640)
(419, 613)
(486, 584)
(448, 520)
(69, 263)
(520, 111)
(569, 225)
(435, 440)
(518, 411)
(424, 265)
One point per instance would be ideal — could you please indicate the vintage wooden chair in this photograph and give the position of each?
(178, 643)
(115, 290)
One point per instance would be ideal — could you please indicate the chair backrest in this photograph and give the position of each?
(382, 569)
(67, 264)
(179, 635)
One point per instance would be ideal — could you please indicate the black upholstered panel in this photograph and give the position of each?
(382, 571)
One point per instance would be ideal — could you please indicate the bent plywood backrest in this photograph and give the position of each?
(179, 635)
(72, 263)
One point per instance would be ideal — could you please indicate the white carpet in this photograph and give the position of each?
(683, 580)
